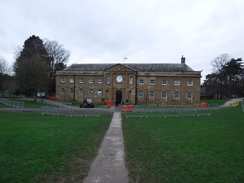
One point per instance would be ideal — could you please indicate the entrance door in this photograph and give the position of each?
(119, 96)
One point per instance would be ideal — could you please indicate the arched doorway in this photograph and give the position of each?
(119, 96)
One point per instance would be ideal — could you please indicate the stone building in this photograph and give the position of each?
(152, 84)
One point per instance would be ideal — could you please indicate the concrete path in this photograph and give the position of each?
(109, 165)
(227, 104)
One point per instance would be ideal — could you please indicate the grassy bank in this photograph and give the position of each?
(188, 149)
(35, 148)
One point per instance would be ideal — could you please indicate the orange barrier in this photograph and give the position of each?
(109, 102)
(127, 108)
(53, 98)
(202, 104)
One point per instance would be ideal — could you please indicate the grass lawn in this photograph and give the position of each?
(36, 148)
(4, 106)
(186, 149)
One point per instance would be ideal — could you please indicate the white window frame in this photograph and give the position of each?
(71, 80)
(189, 83)
(131, 80)
(189, 94)
(108, 80)
(152, 81)
(165, 94)
(62, 90)
(151, 94)
(99, 80)
(140, 94)
(91, 80)
(141, 81)
(164, 83)
(81, 80)
(62, 80)
(81, 91)
(99, 92)
(71, 90)
(177, 82)
(90, 92)
(178, 95)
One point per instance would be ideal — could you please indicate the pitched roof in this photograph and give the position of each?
(138, 67)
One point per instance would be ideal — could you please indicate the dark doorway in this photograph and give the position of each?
(119, 96)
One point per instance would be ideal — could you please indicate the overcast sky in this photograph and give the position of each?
(144, 31)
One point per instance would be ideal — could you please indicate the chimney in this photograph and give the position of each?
(183, 60)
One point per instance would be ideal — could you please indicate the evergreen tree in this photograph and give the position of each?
(233, 74)
(228, 78)
(31, 67)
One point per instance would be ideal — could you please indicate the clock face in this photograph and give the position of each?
(119, 78)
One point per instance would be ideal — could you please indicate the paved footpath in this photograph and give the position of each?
(109, 165)
(227, 104)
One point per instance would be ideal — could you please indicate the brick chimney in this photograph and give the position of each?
(183, 60)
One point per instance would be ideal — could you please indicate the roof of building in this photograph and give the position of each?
(137, 67)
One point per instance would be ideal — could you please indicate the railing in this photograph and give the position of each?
(167, 112)
(69, 112)
(53, 102)
(12, 103)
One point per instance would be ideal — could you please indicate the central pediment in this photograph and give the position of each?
(120, 67)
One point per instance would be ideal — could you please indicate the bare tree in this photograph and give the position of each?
(17, 52)
(9, 84)
(58, 56)
(57, 52)
(4, 69)
(219, 62)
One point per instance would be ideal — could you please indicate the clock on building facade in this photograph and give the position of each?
(154, 84)
(119, 78)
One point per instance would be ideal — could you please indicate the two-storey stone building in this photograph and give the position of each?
(161, 83)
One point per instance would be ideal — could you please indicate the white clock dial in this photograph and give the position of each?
(119, 78)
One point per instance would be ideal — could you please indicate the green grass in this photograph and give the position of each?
(4, 106)
(36, 148)
(188, 149)
(215, 102)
